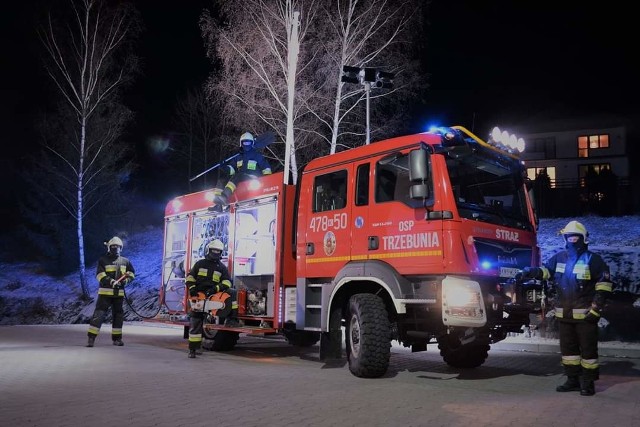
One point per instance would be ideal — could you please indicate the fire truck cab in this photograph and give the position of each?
(414, 239)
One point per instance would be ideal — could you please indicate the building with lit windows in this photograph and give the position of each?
(587, 169)
(567, 156)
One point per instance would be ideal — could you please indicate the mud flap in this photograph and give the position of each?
(331, 345)
(331, 341)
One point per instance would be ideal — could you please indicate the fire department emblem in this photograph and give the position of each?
(329, 243)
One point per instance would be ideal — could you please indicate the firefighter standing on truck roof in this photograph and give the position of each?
(249, 163)
(209, 275)
(113, 272)
(582, 284)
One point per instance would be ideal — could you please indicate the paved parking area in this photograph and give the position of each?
(48, 378)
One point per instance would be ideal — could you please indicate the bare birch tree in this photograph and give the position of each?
(377, 34)
(252, 41)
(89, 61)
(249, 41)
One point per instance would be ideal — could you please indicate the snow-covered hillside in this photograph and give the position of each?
(28, 296)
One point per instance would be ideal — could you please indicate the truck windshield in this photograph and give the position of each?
(489, 188)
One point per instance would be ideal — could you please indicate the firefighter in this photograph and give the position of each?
(209, 275)
(248, 164)
(582, 285)
(113, 272)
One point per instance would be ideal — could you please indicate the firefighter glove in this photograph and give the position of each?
(531, 273)
(592, 316)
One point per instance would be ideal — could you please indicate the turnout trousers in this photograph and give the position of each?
(579, 348)
(102, 306)
(196, 322)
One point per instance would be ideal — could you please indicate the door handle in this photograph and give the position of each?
(310, 249)
(374, 243)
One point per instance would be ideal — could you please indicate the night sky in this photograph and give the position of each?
(505, 61)
(490, 62)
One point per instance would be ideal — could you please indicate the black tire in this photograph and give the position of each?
(225, 341)
(462, 356)
(368, 337)
(206, 332)
(302, 338)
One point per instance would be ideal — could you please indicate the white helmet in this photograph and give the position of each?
(575, 227)
(215, 244)
(247, 139)
(114, 246)
(214, 250)
(115, 241)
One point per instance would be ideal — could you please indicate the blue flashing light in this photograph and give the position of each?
(485, 265)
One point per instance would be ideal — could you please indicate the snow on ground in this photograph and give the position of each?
(30, 296)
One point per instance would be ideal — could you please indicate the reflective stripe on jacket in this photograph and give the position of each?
(581, 281)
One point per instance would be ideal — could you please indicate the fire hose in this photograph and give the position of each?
(126, 299)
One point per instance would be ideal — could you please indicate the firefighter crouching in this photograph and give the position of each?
(582, 285)
(113, 272)
(249, 163)
(209, 275)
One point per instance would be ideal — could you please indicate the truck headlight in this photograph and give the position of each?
(462, 303)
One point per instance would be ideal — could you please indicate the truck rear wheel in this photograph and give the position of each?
(225, 341)
(462, 356)
(368, 336)
(206, 332)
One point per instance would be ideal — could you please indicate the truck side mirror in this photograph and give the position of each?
(418, 165)
(418, 175)
(419, 191)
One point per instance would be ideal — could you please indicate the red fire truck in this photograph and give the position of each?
(414, 239)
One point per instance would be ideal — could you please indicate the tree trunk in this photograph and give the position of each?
(83, 280)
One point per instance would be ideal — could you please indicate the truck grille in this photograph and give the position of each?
(501, 256)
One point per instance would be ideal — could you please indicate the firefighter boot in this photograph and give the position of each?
(192, 354)
(587, 388)
(220, 201)
(92, 339)
(118, 342)
(572, 384)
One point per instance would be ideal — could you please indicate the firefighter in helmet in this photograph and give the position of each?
(248, 164)
(582, 285)
(113, 272)
(209, 276)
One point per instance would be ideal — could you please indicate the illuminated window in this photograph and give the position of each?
(586, 171)
(587, 142)
(532, 174)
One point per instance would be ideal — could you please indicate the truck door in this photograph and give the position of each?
(328, 237)
(395, 229)
(362, 189)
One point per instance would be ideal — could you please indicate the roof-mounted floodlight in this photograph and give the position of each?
(506, 141)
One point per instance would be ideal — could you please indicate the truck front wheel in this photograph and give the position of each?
(368, 336)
